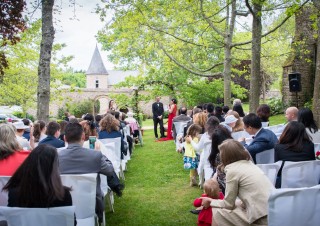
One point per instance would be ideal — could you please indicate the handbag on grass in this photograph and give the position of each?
(190, 163)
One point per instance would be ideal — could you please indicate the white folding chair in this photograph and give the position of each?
(270, 170)
(117, 151)
(315, 137)
(3, 194)
(15, 216)
(240, 134)
(83, 196)
(300, 174)
(277, 129)
(294, 206)
(108, 193)
(265, 157)
(265, 124)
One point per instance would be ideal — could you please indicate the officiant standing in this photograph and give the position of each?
(157, 111)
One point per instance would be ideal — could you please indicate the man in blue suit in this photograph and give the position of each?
(263, 139)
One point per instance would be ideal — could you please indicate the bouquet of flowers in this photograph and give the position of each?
(318, 155)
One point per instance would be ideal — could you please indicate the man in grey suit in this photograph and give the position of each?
(78, 160)
(182, 117)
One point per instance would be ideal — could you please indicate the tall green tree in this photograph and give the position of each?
(43, 94)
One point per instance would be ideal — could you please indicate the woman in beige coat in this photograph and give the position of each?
(245, 181)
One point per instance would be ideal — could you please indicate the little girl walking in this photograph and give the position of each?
(211, 190)
(190, 158)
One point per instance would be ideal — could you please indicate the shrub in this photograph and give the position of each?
(276, 106)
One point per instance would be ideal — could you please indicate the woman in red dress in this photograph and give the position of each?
(172, 114)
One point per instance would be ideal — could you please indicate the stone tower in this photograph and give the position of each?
(97, 75)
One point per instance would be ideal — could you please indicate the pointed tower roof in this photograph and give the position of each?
(96, 65)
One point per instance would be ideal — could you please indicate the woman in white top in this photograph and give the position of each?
(305, 116)
(212, 122)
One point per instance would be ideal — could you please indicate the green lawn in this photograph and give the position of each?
(157, 188)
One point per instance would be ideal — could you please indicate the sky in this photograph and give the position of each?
(78, 34)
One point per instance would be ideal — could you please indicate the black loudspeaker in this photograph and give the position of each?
(294, 82)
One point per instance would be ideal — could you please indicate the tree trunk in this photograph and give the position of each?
(230, 21)
(255, 79)
(43, 95)
(316, 92)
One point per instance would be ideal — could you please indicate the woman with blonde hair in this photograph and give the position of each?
(201, 119)
(239, 124)
(11, 153)
(110, 128)
(244, 180)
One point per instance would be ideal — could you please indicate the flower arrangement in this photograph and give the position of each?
(318, 155)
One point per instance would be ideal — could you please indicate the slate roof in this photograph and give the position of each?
(96, 65)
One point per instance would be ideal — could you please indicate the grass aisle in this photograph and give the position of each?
(157, 188)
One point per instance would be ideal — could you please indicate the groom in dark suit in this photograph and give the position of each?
(157, 111)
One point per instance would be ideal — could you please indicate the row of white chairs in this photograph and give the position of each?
(294, 174)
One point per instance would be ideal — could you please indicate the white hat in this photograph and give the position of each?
(230, 119)
(130, 114)
(20, 125)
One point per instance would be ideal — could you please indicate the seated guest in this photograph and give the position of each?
(20, 128)
(236, 101)
(134, 126)
(305, 116)
(89, 130)
(39, 131)
(53, 132)
(238, 108)
(263, 139)
(263, 112)
(239, 123)
(220, 134)
(63, 125)
(11, 153)
(210, 110)
(201, 119)
(78, 160)
(230, 122)
(218, 113)
(37, 182)
(26, 133)
(294, 145)
(98, 119)
(291, 114)
(225, 110)
(243, 181)
(109, 128)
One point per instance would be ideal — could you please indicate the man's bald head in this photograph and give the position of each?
(291, 114)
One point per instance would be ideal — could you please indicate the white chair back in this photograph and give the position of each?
(83, 196)
(240, 134)
(300, 174)
(62, 216)
(265, 157)
(117, 143)
(270, 170)
(277, 129)
(315, 137)
(3, 194)
(294, 206)
(265, 124)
